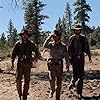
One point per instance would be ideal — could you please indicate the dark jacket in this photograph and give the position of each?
(24, 50)
(85, 45)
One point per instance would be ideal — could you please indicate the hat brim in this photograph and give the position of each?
(76, 28)
(57, 34)
(29, 35)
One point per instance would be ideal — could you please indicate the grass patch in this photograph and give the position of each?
(4, 53)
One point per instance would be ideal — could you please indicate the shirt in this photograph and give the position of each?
(56, 51)
(24, 50)
(77, 46)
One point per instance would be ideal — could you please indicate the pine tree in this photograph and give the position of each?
(67, 22)
(65, 30)
(2, 41)
(12, 34)
(34, 18)
(82, 17)
(59, 25)
(68, 17)
(96, 35)
(64, 24)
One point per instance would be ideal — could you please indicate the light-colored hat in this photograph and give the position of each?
(77, 27)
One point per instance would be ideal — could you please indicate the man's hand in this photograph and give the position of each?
(90, 61)
(67, 67)
(43, 59)
(52, 35)
(12, 66)
(35, 59)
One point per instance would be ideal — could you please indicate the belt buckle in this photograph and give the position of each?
(78, 56)
(24, 56)
(21, 59)
(59, 62)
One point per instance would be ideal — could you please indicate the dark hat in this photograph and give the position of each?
(25, 31)
(77, 27)
(56, 32)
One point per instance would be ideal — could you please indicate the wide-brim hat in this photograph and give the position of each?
(77, 27)
(56, 32)
(25, 31)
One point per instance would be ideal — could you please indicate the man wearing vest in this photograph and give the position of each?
(78, 45)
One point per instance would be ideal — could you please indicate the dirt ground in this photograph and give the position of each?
(39, 85)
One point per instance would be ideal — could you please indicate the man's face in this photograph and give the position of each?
(24, 37)
(77, 32)
(56, 38)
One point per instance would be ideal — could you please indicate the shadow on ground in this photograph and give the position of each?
(89, 75)
(90, 98)
(43, 76)
(8, 72)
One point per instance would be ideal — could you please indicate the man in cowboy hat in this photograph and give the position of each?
(23, 49)
(57, 52)
(78, 45)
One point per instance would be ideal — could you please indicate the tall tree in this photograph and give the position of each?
(65, 30)
(59, 25)
(64, 24)
(81, 11)
(12, 34)
(34, 18)
(68, 17)
(2, 40)
(96, 35)
(15, 36)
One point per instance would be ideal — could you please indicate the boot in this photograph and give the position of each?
(51, 94)
(20, 97)
(24, 97)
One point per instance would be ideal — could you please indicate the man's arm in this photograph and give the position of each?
(14, 54)
(67, 63)
(87, 51)
(37, 53)
(46, 43)
(67, 59)
(69, 45)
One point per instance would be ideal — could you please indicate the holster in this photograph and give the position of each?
(70, 59)
(21, 59)
(52, 62)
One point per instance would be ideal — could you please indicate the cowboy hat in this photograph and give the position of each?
(56, 32)
(25, 31)
(77, 27)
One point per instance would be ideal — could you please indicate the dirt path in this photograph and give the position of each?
(39, 85)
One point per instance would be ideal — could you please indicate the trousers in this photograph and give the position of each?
(55, 73)
(78, 71)
(23, 71)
